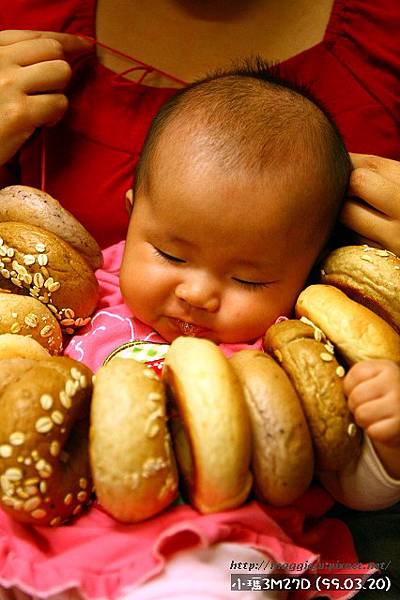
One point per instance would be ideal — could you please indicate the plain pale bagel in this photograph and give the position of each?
(210, 425)
(20, 346)
(357, 332)
(133, 466)
(282, 457)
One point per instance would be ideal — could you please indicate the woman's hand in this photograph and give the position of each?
(373, 209)
(34, 73)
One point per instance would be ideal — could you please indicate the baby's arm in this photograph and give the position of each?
(373, 481)
(373, 391)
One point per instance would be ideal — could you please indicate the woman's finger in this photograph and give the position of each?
(386, 167)
(46, 109)
(51, 76)
(71, 44)
(376, 190)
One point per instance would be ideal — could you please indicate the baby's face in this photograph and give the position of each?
(214, 256)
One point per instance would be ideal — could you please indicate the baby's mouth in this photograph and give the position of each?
(189, 329)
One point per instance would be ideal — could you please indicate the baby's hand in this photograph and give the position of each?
(373, 209)
(373, 391)
(34, 73)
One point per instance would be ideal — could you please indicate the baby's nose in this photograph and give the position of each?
(198, 294)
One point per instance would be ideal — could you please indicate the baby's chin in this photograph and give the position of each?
(186, 330)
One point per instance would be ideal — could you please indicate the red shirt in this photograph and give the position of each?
(91, 154)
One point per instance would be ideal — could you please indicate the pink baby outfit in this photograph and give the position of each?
(98, 558)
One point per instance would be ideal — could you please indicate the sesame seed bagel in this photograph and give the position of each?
(133, 466)
(44, 462)
(26, 316)
(209, 424)
(367, 275)
(317, 378)
(24, 204)
(357, 332)
(20, 346)
(37, 262)
(282, 455)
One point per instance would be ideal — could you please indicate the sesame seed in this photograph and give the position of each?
(21, 493)
(82, 496)
(16, 282)
(67, 322)
(69, 330)
(68, 499)
(32, 481)
(10, 252)
(8, 501)
(53, 287)
(44, 425)
(46, 401)
(75, 372)
(340, 372)
(367, 258)
(43, 487)
(57, 417)
(17, 438)
(65, 400)
(14, 474)
(77, 509)
(31, 490)
(83, 483)
(56, 521)
(3, 250)
(39, 513)
(278, 355)
(326, 357)
(42, 260)
(5, 451)
(382, 253)
(5, 274)
(38, 280)
(32, 504)
(46, 331)
(29, 259)
(31, 320)
(69, 313)
(55, 448)
(352, 429)
(83, 381)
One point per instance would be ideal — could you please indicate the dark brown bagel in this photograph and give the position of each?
(44, 462)
(317, 378)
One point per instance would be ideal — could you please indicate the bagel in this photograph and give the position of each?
(367, 275)
(26, 316)
(37, 262)
(282, 456)
(209, 424)
(317, 378)
(20, 346)
(357, 332)
(24, 204)
(133, 466)
(44, 463)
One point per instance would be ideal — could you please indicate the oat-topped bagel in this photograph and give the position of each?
(37, 262)
(357, 332)
(24, 204)
(210, 425)
(26, 316)
(133, 465)
(368, 275)
(44, 462)
(316, 375)
(282, 457)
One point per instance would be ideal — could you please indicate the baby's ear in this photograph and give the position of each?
(129, 200)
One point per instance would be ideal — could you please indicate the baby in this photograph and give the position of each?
(237, 191)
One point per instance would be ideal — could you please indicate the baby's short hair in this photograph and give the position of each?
(256, 121)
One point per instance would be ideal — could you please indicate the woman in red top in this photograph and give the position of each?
(343, 50)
